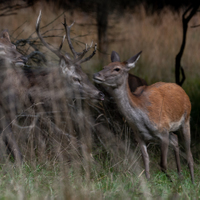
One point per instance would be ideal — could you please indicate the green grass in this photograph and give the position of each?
(50, 181)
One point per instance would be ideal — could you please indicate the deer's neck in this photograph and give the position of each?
(126, 101)
(133, 108)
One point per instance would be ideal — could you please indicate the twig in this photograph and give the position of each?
(141, 173)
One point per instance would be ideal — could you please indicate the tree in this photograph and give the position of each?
(186, 17)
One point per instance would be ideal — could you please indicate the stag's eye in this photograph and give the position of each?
(117, 69)
(75, 79)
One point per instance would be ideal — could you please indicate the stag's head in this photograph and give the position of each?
(71, 67)
(9, 52)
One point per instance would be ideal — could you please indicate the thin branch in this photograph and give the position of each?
(18, 28)
(32, 54)
(195, 26)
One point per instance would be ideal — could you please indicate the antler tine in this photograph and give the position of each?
(84, 52)
(89, 57)
(62, 43)
(67, 30)
(57, 52)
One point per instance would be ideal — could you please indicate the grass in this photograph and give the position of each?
(51, 182)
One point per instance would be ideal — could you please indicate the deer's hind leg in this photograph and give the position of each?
(174, 143)
(164, 145)
(185, 129)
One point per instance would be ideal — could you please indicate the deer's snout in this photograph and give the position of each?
(24, 59)
(101, 95)
(21, 61)
(97, 77)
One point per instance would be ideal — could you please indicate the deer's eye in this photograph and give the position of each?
(76, 79)
(117, 69)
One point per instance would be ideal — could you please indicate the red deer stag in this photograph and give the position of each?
(71, 69)
(55, 87)
(15, 88)
(153, 112)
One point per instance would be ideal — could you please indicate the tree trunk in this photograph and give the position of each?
(102, 26)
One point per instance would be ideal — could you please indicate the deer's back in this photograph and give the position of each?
(164, 103)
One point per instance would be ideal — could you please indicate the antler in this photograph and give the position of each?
(57, 52)
(81, 55)
(78, 56)
(62, 43)
(67, 30)
(89, 57)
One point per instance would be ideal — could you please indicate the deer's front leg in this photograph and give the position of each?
(145, 156)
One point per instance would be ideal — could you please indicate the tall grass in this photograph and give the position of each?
(73, 149)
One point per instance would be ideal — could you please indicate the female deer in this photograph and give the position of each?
(153, 112)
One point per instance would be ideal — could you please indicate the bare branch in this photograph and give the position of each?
(11, 10)
(195, 26)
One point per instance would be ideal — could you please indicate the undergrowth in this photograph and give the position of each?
(49, 181)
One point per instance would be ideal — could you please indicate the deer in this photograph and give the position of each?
(133, 81)
(10, 58)
(154, 112)
(70, 68)
(28, 86)
(9, 52)
(52, 87)
(67, 79)
(109, 104)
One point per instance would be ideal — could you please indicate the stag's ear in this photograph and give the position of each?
(115, 57)
(131, 61)
(66, 67)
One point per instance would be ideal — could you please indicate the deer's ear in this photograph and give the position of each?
(131, 61)
(66, 67)
(115, 57)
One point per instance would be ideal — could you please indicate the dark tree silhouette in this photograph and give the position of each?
(102, 25)
(187, 15)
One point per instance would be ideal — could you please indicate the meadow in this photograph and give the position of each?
(106, 164)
